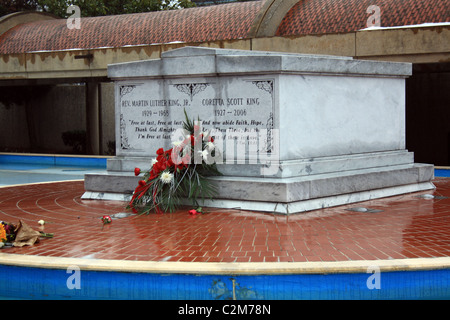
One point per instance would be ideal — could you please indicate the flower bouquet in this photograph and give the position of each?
(19, 235)
(177, 173)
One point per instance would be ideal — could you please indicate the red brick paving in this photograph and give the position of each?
(408, 227)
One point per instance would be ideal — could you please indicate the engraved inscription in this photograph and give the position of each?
(153, 109)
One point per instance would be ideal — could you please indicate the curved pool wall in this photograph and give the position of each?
(68, 278)
(35, 277)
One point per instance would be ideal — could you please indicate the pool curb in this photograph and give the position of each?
(226, 268)
(37, 183)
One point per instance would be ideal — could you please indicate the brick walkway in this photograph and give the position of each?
(407, 226)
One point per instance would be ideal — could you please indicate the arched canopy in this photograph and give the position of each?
(340, 16)
(230, 21)
(220, 22)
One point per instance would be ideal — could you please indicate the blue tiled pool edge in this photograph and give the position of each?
(20, 169)
(54, 160)
(40, 277)
(441, 172)
(58, 284)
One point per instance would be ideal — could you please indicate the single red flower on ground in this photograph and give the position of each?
(106, 219)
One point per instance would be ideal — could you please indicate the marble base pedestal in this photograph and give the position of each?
(290, 194)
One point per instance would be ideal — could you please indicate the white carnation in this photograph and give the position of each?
(166, 177)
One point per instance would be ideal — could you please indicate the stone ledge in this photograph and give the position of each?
(287, 195)
(195, 61)
(288, 168)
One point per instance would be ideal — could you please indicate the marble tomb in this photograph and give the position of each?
(297, 132)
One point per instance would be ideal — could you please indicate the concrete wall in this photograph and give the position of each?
(416, 44)
(13, 129)
(428, 113)
(107, 118)
(62, 108)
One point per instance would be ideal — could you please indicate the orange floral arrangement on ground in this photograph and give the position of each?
(2, 233)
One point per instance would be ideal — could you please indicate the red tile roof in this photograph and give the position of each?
(220, 22)
(334, 16)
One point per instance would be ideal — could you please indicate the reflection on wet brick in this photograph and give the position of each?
(404, 226)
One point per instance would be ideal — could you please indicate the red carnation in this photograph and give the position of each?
(153, 175)
(137, 171)
(142, 183)
(196, 211)
(170, 163)
(106, 219)
(160, 151)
